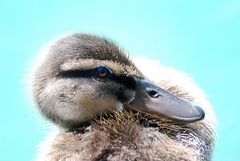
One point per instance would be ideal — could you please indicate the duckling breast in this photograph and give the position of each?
(132, 136)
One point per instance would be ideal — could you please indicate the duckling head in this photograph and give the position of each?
(82, 76)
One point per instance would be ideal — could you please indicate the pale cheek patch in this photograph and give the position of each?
(57, 99)
(79, 103)
(100, 105)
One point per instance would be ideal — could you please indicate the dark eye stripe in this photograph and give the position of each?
(128, 82)
(76, 73)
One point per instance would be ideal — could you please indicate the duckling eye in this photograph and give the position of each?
(102, 72)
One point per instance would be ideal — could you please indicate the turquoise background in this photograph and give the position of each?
(201, 38)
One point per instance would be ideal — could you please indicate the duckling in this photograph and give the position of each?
(110, 110)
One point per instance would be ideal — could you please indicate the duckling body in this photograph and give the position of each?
(124, 134)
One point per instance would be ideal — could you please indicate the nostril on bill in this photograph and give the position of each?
(152, 93)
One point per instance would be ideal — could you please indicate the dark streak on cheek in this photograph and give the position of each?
(128, 82)
(124, 95)
(121, 97)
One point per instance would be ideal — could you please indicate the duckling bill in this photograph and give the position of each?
(152, 99)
